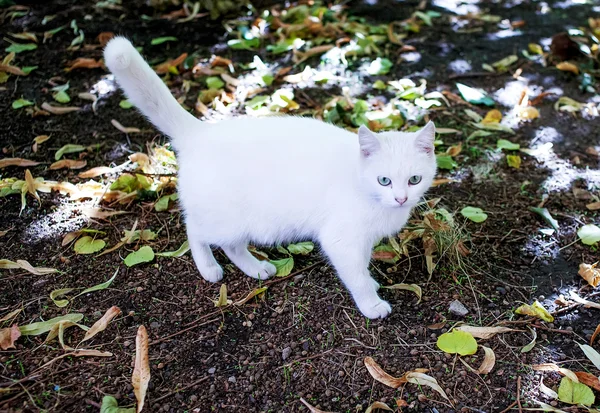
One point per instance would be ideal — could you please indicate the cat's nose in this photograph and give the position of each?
(401, 201)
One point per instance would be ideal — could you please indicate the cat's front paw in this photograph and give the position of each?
(265, 271)
(374, 308)
(212, 274)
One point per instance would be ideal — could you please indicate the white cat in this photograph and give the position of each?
(282, 179)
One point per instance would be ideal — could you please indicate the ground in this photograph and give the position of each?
(303, 338)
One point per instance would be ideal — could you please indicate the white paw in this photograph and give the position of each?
(375, 283)
(212, 274)
(263, 271)
(374, 308)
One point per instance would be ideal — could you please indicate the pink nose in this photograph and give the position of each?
(401, 201)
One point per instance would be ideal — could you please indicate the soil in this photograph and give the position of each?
(305, 339)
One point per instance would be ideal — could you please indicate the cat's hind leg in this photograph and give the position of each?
(250, 265)
(209, 269)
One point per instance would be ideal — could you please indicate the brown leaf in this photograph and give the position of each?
(381, 376)
(384, 255)
(12, 70)
(454, 150)
(101, 324)
(85, 63)
(17, 162)
(139, 157)
(11, 315)
(59, 110)
(68, 163)
(164, 67)
(311, 408)
(30, 185)
(378, 405)
(588, 379)
(141, 371)
(70, 237)
(104, 37)
(8, 336)
(488, 361)
(590, 273)
(441, 181)
(252, 294)
(94, 172)
(595, 335)
(90, 353)
(38, 140)
(220, 61)
(594, 206)
(124, 129)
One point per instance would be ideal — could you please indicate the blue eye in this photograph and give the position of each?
(414, 180)
(384, 180)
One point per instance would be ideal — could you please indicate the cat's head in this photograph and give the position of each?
(397, 167)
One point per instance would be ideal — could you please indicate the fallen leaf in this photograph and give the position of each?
(59, 110)
(591, 354)
(381, 376)
(59, 293)
(508, 145)
(7, 264)
(594, 206)
(222, 301)
(580, 300)
(408, 287)
(536, 310)
(252, 294)
(548, 408)
(483, 332)
(8, 336)
(88, 245)
(454, 150)
(104, 37)
(38, 140)
(68, 148)
(547, 391)
(124, 129)
(572, 392)
(110, 405)
(528, 347)
(441, 181)
(68, 163)
(58, 330)
(16, 162)
(311, 408)
(378, 405)
(588, 379)
(489, 361)
(102, 323)
(185, 247)
(301, 248)
(20, 103)
(590, 273)
(568, 67)
(596, 332)
(457, 342)
(553, 367)
(84, 63)
(97, 171)
(589, 234)
(474, 96)
(493, 116)
(422, 379)
(544, 213)
(528, 112)
(165, 67)
(514, 161)
(141, 371)
(35, 329)
(16, 312)
(284, 266)
(144, 254)
(474, 214)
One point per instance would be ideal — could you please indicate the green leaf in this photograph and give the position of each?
(222, 301)
(575, 393)
(69, 148)
(62, 97)
(380, 85)
(99, 287)
(257, 101)
(544, 213)
(18, 48)
(110, 405)
(284, 266)
(19, 103)
(244, 44)
(514, 161)
(35, 329)
(282, 47)
(126, 183)
(508, 145)
(380, 66)
(160, 40)
(125, 104)
(445, 162)
(474, 214)
(474, 96)
(214, 82)
(268, 79)
(536, 310)
(185, 247)
(163, 203)
(457, 342)
(88, 245)
(589, 234)
(59, 293)
(302, 248)
(144, 254)
(28, 69)
(496, 127)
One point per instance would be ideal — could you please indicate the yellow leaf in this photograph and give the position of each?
(141, 371)
(568, 67)
(514, 161)
(493, 116)
(536, 310)
(529, 112)
(222, 301)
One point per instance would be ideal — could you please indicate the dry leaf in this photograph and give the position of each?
(251, 295)
(68, 163)
(16, 162)
(590, 273)
(554, 367)
(381, 376)
(568, 67)
(97, 171)
(378, 405)
(594, 206)
(588, 379)
(8, 336)
(101, 324)
(528, 112)
(90, 353)
(13, 314)
(141, 371)
(222, 301)
(139, 157)
(493, 116)
(124, 129)
(104, 38)
(12, 70)
(164, 67)
(454, 150)
(8, 264)
(593, 335)
(422, 379)
(59, 110)
(441, 181)
(484, 332)
(84, 63)
(547, 391)
(311, 408)
(580, 300)
(488, 361)
(38, 140)
(220, 61)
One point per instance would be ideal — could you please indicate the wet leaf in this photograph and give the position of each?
(514, 161)
(68, 163)
(445, 162)
(474, 96)
(536, 310)
(575, 393)
(252, 294)
(16, 162)
(141, 371)
(19, 103)
(88, 245)
(160, 40)
(489, 361)
(144, 254)
(18, 47)
(381, 376)
(185, 247)
(8, 336)
(378, 405)
(101, 324)
(69, 148)
(483, 332)
(568, 67)
(408, 287)
(35, 329)
(302, 248)
(110, 405)
(544, 213)
(474, 214)
(589, 234)
(457, 342)
(591, 354)
(25, 265)
(284, 266)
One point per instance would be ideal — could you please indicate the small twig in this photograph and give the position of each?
(203, 379)
(519, 394)
(153, 342)
(475, 74)
(554, 330)
(509, 407)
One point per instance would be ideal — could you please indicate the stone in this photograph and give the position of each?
(286, 353)
(458, 308)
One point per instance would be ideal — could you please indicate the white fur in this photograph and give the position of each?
(283, 179)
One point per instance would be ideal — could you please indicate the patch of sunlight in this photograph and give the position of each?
(510, 94)
(504, 34)
(544, 8)
(65, 218)
(463, 7)
(570, 3)
(411, 57)
(460, 66)
(104, 86)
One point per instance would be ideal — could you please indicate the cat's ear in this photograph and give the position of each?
(425, 138)
(369, 144)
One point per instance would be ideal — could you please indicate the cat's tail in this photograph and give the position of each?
(146, 90)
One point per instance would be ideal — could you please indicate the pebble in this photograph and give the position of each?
(458, 308)
(140, 289)
(126, 343)
(154, 324)
(212, 370)
(193, 398)
(231, 379)
(286, 353)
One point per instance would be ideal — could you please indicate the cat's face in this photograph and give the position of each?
(397, 167)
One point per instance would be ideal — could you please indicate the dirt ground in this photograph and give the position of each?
(305, 338)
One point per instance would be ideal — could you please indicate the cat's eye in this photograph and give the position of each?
(414, 180)
(384, 180)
